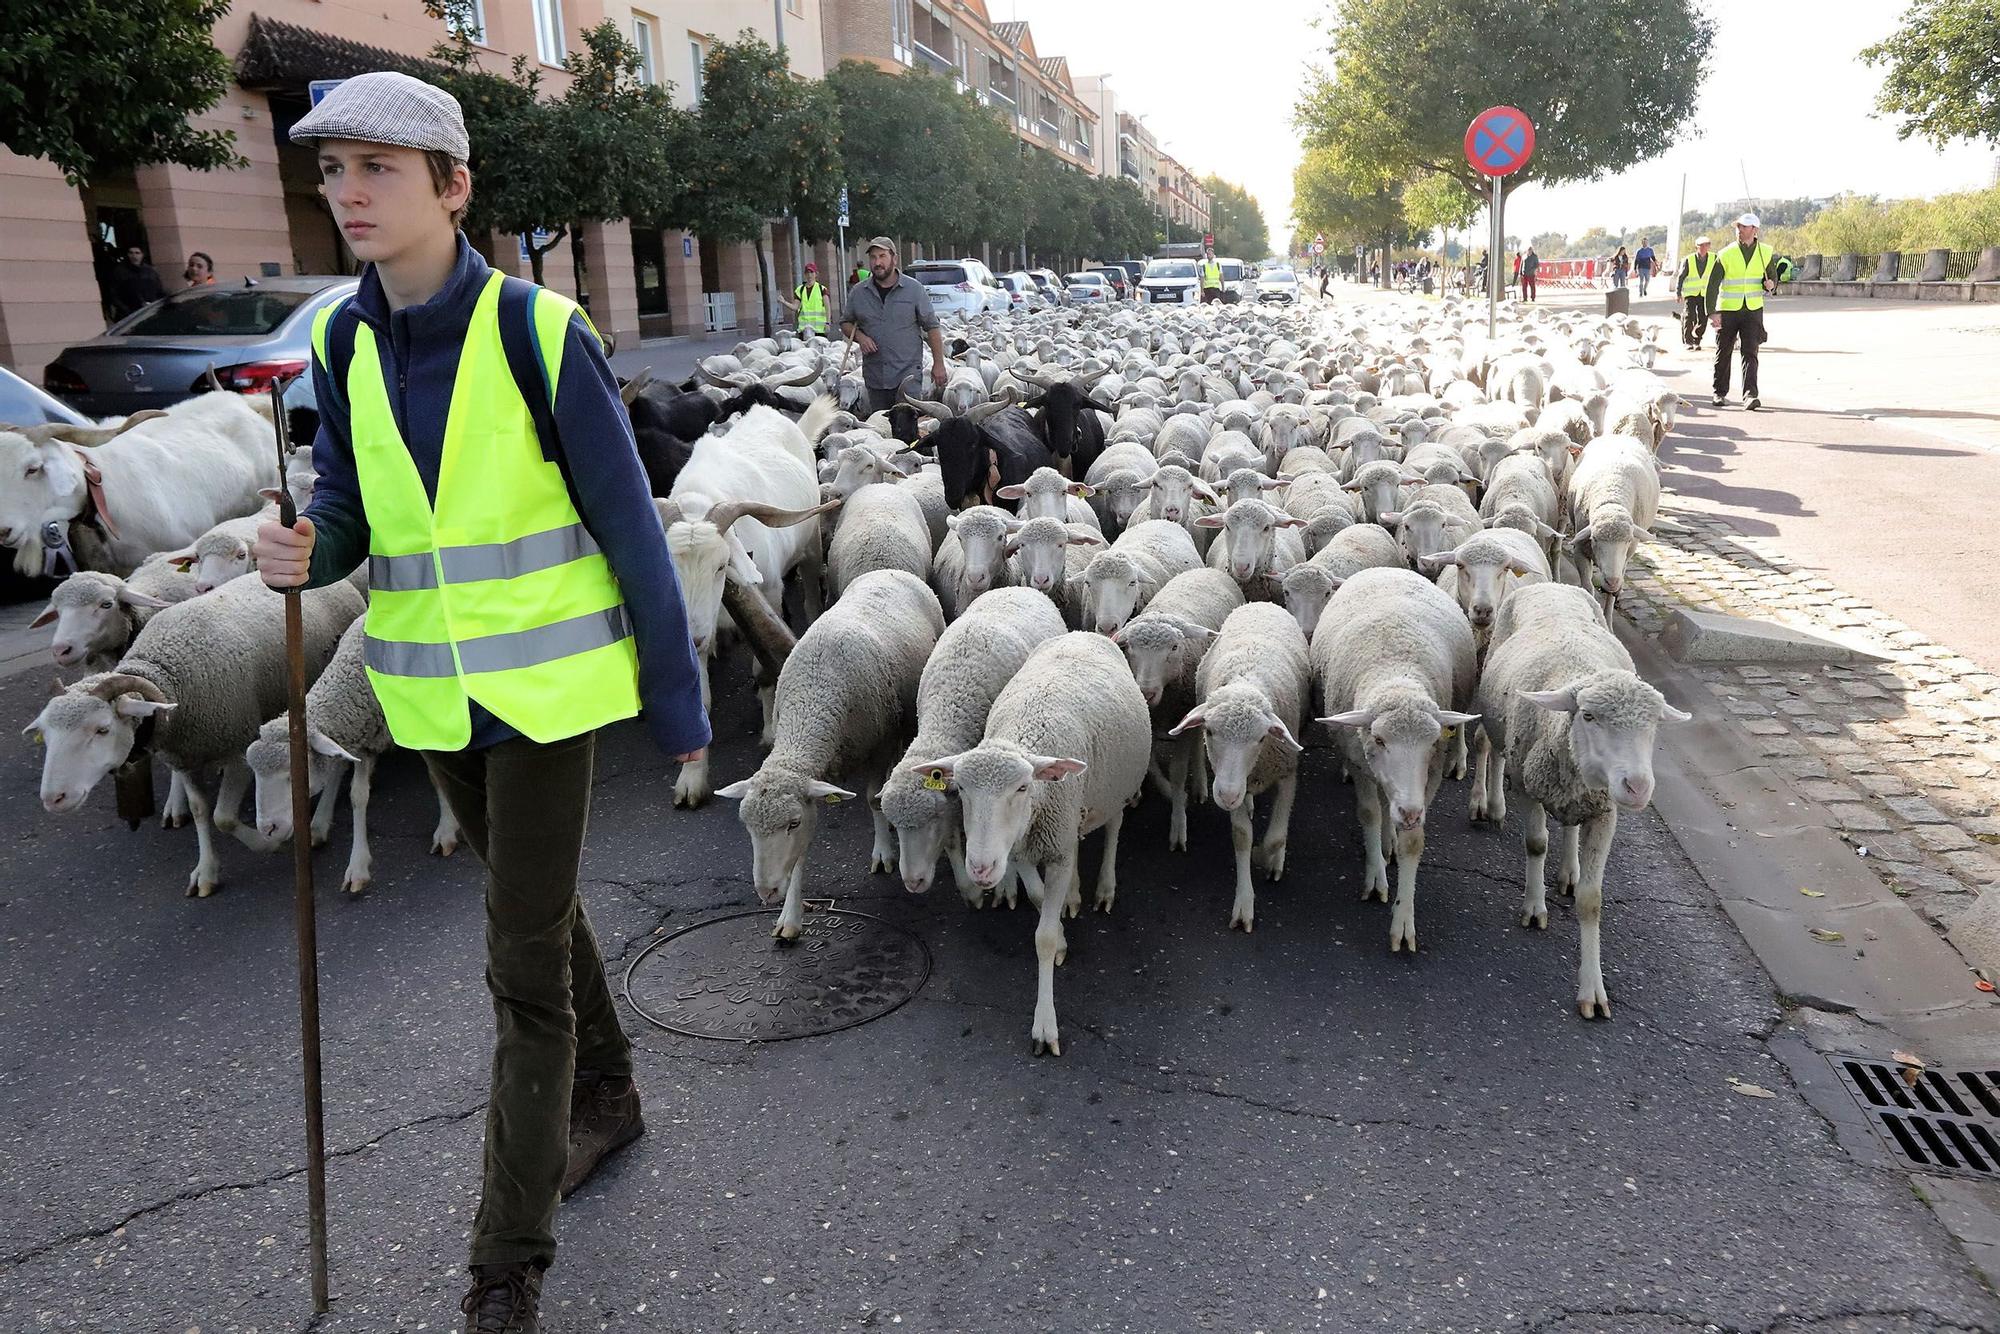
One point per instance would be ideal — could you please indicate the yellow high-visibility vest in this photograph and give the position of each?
(497, 593)
(1743, 279)
(1695, 282)
(1211, 274)
(812, 306)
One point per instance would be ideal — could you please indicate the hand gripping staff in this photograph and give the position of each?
(302, 880)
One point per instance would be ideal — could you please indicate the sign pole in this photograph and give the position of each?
(1495, 258)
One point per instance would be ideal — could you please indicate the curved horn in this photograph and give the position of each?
(630, 389)
(981, 411)
(930, 407)
(670, 512)
(725, 513)
(790, 377)
(113, 684)
(92, 436)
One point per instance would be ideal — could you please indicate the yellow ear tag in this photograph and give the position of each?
(934, 781)
(833, 799)
(1450, 733)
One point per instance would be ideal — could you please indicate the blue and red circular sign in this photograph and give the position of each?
(1499, 141)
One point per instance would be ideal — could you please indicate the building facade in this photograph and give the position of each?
(267, 217)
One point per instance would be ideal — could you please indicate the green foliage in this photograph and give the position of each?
(1773, 212)
(1606, 84)
(1435, 202)
(1235, 219)
(1944, 71)
(763, 143)
(1351, 207)
(101, 87)
(1859, 225)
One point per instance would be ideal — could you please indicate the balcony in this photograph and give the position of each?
(925, 58)
(998, 96)
(1128, 169)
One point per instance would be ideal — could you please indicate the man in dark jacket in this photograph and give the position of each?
(134, 284)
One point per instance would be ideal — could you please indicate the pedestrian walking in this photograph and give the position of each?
(1211, 278)
(514, 608)
(1692, 291)
(200, 270)
(1514, 281)
(890, 316)
(1643, 260)
(1737, 284)
(133, 283)
(1531, 264)
(1621, 264)
(808, 302)
(1325, 277)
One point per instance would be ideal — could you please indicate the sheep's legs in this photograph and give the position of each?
(360, 860)
(1200, 788)
(1534, 894)
(883, 857)
(1177, 784)
(954, 851)
(1489, 782)
(1374, 866)
(1566, 879)
(227, 813)
(1073, 896)
(1403, 916)
(322, 821)
(1243, 912)
(176, 813)
(1025, 876)
(444, 839)
(1591, 1000)
(691, 788)
(1278, 830)
(1458, 754)
(792, 917)
(207, 867)
(1107, 870)
(812, 576)
(1050, 948)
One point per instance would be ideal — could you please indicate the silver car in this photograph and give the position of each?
(158, 356)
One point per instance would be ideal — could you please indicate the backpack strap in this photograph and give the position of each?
(518, 338)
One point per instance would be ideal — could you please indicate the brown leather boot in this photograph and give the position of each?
(603, 1118)
(505, 1299)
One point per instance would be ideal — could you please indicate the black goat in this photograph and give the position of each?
(1069, 424)
(667, 423)
(968, 449)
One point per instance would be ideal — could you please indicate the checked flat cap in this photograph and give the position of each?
(388, 108)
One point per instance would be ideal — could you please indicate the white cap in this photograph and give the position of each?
(1748, 220)
(1701, 240)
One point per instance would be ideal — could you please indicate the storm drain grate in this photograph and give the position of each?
(1934, 1119)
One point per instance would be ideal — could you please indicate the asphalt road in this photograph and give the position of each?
(1288, 1131)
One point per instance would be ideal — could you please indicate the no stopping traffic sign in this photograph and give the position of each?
(1499, 141)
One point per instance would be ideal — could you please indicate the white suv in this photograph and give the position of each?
(962, 287)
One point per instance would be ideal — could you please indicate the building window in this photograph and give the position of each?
(549, 44)
(796, 8)
(697, 56)
(469, 23)
(936, 44)
(642, 37)
(900, 27)
(1000, 81)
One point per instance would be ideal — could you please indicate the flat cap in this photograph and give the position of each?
(881, 243)
(388, 108)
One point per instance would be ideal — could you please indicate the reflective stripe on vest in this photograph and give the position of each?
(1211, 275)
(1742, 280)
(1696, 281)
(812, 306)
(495, 592)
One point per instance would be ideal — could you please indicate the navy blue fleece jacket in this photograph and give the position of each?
(419, 348)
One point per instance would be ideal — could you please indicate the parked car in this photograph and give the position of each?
(1121, 281)
(1049, 282)
(1236, 281)
(1135, 269)
(1172, 282)
(962, 287)
(1024, 293)
(1277, 287)
(160, 355)
(1088, 287)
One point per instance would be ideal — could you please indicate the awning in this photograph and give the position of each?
(283, 57)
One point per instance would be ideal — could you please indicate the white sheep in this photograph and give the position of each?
(1252, 685)
(1567, 721)
(1051, 556)
(973, 556)
(1522, 479)
(1047, 494)
(1163, 645)
(205, 673)
(96, 613)
(1064, 752)
(1486, 569)
(1307, 587)
(1435, 517)
(1395, 662)
(344, 725)
(1120, 581)
(1117, 482)
(1379, 486)
(1614, 494)
(974, 659)
(882, 527)
(847, 703)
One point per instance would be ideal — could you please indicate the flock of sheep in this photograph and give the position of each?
(1124, 548)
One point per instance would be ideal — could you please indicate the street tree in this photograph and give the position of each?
(1435, 202)
(1352, 205)
(1944, 71)
(100, 88)
(905, 140)
(1598, 105)
(764, 144)
(1235, 219)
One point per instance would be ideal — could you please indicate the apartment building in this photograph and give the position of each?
(267, 217)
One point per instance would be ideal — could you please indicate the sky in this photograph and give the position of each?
(1786, 104)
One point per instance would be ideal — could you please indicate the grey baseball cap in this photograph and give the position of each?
(879, 243)
(388, 108)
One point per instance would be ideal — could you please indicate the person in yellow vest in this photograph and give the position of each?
(1211, 278)
(473, 452)
(1737, 284)
(1691, 290)
(808, 302)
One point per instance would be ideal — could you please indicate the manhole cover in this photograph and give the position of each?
(727, 979)
(1935, 1119)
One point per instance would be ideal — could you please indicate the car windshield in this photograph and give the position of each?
(1278, 276)
(939, 275)
(234, 312)
(1087, 279)
(1232, 271)
(1170, 268)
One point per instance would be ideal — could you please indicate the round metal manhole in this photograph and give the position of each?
(727, 979)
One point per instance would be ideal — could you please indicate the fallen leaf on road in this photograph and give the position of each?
(1988, 838)
(1908, 1058)
(1813, 893)
(1749, 1090)
(1826, 937)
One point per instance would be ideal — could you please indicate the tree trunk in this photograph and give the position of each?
(535, 255)
(764, 276)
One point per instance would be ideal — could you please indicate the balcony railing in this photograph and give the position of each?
(934, 62)
(1000, 96)
(1128, 169)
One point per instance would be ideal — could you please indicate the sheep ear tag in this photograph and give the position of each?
(1449, 734)
(833, 798)
(934, 780)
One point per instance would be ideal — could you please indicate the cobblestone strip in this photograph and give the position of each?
(1903, 756)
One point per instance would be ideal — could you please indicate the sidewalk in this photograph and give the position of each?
(674, 359)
